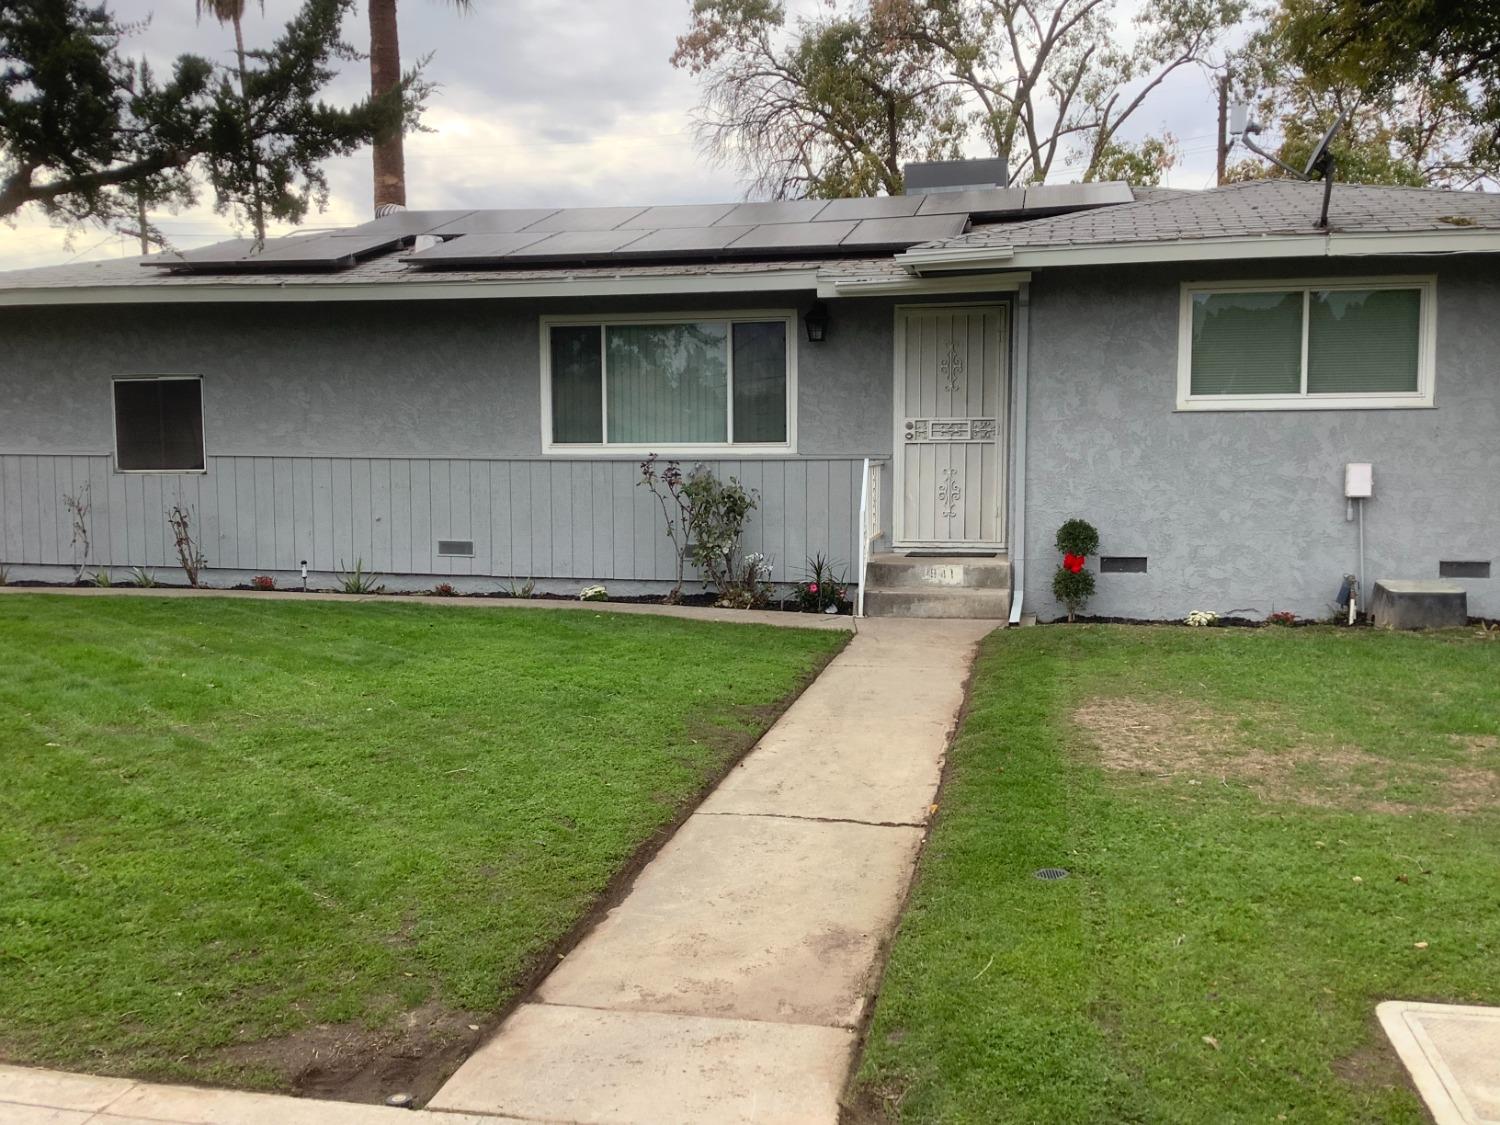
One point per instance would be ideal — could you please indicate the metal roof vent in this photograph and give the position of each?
(389, 209)
(933, 176)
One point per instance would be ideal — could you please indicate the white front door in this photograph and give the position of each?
(950, 426)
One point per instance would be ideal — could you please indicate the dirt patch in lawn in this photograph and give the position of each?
(352, 1062)
(1166, 741)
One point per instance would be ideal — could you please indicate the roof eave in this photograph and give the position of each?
(927, 260)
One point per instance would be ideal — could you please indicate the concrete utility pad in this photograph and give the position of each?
(841, 752)
(583, 1065)
(1452, 1052)
(761, 918)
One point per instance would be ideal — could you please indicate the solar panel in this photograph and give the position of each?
(684, 240)
(878, 207)
(493, 222)
(577, 244)
(785, 211)
(904, 232)
(476, 248)
(678, 216)
(404, 223)
(314, 251)
(1067, 197)
(989, 201)
(816, 237)
(587, 218)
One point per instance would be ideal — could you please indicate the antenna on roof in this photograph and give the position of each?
(1320, 163)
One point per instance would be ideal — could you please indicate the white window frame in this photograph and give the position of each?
(1422, 397)
(114, 424)
(679, 449)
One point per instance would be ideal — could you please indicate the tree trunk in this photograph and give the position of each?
(257, 201)
(385, 75)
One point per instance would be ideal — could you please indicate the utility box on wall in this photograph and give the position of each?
(1359, 480)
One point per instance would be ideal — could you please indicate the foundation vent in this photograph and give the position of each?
(1122, 564)
(1464, 569)
(459, 547)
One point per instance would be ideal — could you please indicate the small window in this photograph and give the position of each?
(669, 383)
(159, 424)
(1319, 345)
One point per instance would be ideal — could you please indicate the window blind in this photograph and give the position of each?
(1363, 340)
(1247, 343)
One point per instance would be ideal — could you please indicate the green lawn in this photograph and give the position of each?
(1261, 826)
(236, 832)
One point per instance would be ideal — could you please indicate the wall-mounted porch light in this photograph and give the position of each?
(816, 320)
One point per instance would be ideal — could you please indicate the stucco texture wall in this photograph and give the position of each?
(1243, 512)
(391, 379)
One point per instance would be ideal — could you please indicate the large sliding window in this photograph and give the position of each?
(1306, 345)
(669, 383)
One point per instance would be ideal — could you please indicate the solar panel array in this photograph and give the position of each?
(683, 231)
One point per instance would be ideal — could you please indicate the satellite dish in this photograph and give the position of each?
(1315, 162)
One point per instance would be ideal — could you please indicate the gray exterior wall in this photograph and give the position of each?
(1245, 511)
(370, 431)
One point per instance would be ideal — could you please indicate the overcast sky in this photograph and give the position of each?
(541, 102)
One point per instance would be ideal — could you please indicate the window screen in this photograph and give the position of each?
(159, 425)
(1247, 343)
(1363, 340)
(760, 382)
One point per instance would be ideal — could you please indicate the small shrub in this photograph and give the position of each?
(1282, 617)
(524, 590)
(823, 590)
(751, 588)
(189, 557)
(705, 519)
(593, 594)
(1073, 584)
(444, 590)
(102, 578)
(1202, 618)
(143, 578)
(79, 506)
(263, 582)
(358, 580)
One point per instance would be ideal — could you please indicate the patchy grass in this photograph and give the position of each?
(276, 843)
(1261, 827)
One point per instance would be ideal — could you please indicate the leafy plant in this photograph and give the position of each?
(1202, 619)
(1281, 617)
(823, 590)
(705, 519)
(263, 582)
(189, 557)
(1073, 584)
(751, 587)
(358, 580)
(102, 578)
(143, 578)
(593, 594)
(524, 590)
(444, 590)
(79, 505)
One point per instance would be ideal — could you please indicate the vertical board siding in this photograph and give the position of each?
(558, 518)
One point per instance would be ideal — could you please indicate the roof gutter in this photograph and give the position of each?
(929, 260)
(565, 285)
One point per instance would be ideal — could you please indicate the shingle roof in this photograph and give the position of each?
(1258, 207)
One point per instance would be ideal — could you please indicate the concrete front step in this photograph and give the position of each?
(962, 572)
(937, 601)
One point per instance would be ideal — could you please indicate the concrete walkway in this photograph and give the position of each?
(728, 985)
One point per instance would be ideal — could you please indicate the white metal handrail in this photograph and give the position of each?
(869, 524)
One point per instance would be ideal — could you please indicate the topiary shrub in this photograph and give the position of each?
(1073, 584)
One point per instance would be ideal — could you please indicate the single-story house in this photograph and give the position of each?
(466, 396)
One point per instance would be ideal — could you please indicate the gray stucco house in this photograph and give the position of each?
(468, 394)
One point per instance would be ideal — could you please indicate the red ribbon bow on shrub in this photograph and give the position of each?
(1074, 562)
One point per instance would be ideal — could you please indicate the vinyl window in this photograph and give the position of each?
(1307, 345)
(668, 383)
(159, 424)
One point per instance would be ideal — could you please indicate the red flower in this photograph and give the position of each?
(812, 587)
(1074, 562)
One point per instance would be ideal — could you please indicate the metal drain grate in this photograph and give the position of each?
(1050, 873)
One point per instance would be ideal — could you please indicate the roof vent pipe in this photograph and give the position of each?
(389, 209)
(933, 176)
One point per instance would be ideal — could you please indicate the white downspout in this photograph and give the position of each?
(864, 538)
(1018, 453)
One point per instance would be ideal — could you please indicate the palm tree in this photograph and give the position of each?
(232, 12)
(385, 76)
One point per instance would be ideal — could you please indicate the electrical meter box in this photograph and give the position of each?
(1359, 480)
